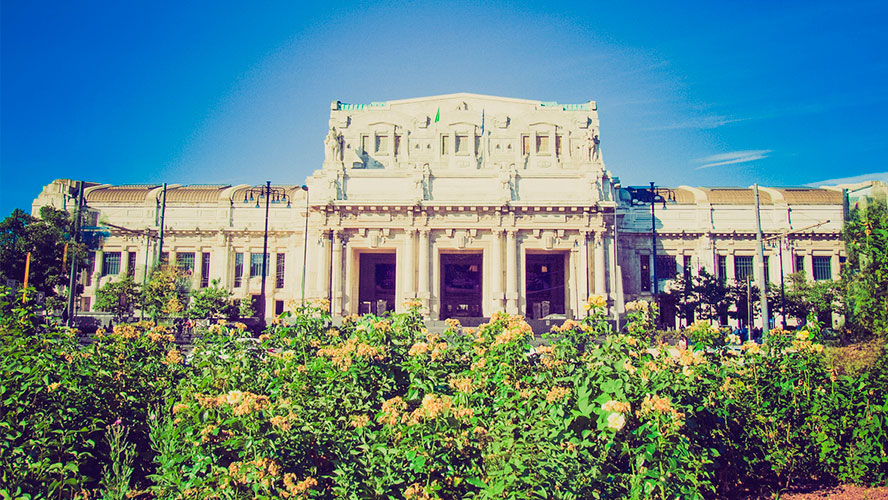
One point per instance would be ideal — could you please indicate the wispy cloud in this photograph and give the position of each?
(732, 158)
(879, 176)
(707, 122)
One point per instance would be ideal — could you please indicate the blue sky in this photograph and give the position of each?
(700, 93)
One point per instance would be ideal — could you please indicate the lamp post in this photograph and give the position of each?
(72, 282)
(271, 195)
(653, 195)
(305, 243)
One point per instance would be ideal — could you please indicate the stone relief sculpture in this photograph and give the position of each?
(333, 145)
(590, 144)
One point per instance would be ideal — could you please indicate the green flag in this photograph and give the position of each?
(438, 115)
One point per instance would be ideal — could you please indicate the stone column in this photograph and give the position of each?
(97, 271)
(124, 261)
(409, 270)
(322, 286)
(496, 270)
(809, 266)
(511, 272)
(574, 288)
(834, 265)
(336, 306)
(583, 271)
(729, 265)
(600, 283)
(424, 265)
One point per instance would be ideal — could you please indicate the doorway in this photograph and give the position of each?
(376, 283)
(461, 285)
(544, 284)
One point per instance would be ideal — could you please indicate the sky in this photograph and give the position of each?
(699, 93)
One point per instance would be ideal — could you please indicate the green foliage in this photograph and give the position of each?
(210, 302)
(245, 308)
(45, 239)
(165, 295)
(119, 297)
(383, 408)
(866, 269)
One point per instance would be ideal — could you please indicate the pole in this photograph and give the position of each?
(654, 243)
(72, 281)
(162, 216)
(265, 249)
(760, 245)
(27, 272)
(782, 290)
(305, 243)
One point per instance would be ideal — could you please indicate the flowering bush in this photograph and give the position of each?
(379, 407)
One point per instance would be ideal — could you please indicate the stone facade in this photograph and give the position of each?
(472, 204)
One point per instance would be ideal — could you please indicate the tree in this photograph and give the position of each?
(713, 295)
(45, 239)
(166, 293)
(866, 269)
(210, 302)
(685, 296)
(119, 297)
(739, 297)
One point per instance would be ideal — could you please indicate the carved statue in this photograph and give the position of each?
(333, 145)
(590, 144)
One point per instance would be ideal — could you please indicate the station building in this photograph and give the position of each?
(471, 204)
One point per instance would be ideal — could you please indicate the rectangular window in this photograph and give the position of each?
(90, 269)
(255, 265)
(365, 143)
(525, 145)
(204, 270)
(397, 150)
(800, 263)
(743, 267)
(542, 144)
(767, 270)
(111, 264)
(279, 271)
(822, 267)
(478, 145)
(686, 265)
(131, 264)
(84, 304)
(558, 142)
(185, 261)
(164, 257)
(445, 145)
(666, 267)
(238, 270)
(644, 262)
(278, 307)
(722, 268)
(382, 144)
(462, 144)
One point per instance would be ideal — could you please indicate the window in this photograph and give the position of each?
(279, 271)
(462, 144)
(800, 263)
(445, 145)
(256, 265)
(722, 268)
(645, 265)
(84, 304)
(397, 145)
(365, 143)
(558, 141)
(525, 145)
(666, 267)
(382, 144)
(542, 144)
(822, 267)
(742, 267)
(89, 269)
(130, 264)
(185, 261)
(686, 265)
(278, 307)
(204, 270)
(767, 270)
(164, 257)
(111, 263)
(238, 270)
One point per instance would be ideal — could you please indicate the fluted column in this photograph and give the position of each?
(322, 286)
(336, 306)
(424, 265)
(599, 264)
(511, 272)
(409, 270)
(496, 270)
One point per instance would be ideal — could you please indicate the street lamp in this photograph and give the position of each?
(271, 195)
(653, 195)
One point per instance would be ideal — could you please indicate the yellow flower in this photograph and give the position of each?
(597, 301)
(557, 393)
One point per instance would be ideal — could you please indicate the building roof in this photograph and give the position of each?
(121, 194)
(807, 196)
(196, 193)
